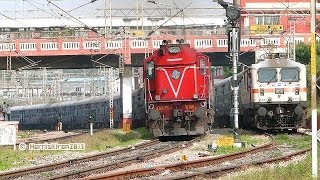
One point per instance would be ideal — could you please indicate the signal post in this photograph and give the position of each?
(233, 16)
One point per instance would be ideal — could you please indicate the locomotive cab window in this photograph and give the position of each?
(290, 74)
(150, 70)
(203, 66)
(267, 75)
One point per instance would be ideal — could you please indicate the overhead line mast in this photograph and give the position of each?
(314, 90)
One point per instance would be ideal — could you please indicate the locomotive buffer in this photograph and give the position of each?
(233, 15)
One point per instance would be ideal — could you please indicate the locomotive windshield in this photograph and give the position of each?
(289, 74)
(267, 75)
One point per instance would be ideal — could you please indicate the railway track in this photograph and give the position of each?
(103, 162)
(122, 162)
(216, 172)
(52, 139)
(209, 167)
(71, 162)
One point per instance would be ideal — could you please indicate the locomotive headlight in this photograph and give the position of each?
(297, 91)
(262, 111)
(203, 104)
(279, 91)
(195, 96)
(174, 49)
(151, 106)
(298, 110)
(261, 92)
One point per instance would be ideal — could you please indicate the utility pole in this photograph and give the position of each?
(313, 90)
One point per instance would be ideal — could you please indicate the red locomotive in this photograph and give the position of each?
(178, 91)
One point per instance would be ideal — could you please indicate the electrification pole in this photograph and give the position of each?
(313, 90)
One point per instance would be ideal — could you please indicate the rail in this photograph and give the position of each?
(61, 164)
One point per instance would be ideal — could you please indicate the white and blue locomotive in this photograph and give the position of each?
(272, 95)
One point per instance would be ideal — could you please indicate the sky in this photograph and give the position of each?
(44, 7)
(69, 4)
(21, 13)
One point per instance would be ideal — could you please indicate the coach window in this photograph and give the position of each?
(150, 70)
(289, 74)
(267, 75)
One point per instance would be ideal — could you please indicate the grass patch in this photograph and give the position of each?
(249, 141)
(25, 134)
(297, 141)
(104, 140)
(299, 170)
(100, 141)
(12, 159)
(296, 170)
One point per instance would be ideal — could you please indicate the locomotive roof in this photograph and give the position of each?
(187, 55)
(62, 104)
(279, 62)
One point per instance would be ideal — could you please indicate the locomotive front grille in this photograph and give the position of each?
(283, 122)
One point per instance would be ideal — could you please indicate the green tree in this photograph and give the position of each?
(227, 71)
(303, 56)
(303, 52)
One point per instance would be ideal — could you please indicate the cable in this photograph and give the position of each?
(151, 32)
(39, 8)
(92, 1)
(80, 22)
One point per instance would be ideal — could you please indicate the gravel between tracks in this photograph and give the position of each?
(197, 151)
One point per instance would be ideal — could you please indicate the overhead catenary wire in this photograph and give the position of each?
(92, 1)
(151, 32)
(71, 16)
